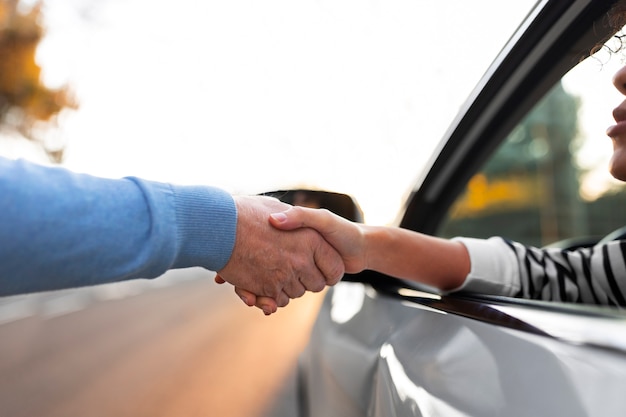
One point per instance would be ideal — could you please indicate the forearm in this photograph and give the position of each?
(405, 254)
(59, 229)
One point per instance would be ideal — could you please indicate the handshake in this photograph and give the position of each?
(282, 251)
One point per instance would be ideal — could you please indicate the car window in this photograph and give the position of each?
(548, 182)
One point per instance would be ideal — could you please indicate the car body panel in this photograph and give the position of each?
(372, 355)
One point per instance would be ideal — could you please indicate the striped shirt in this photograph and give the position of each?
(594, 275)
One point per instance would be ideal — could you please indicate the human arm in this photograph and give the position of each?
(60, 229)
(437, 262)
(397, 252)
(594, 275)
(489, 266)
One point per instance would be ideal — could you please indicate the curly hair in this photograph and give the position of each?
(617, 15)
(616, 20)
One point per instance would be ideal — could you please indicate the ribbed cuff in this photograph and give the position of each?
(207, 224)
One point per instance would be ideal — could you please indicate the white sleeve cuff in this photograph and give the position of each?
(494, 267)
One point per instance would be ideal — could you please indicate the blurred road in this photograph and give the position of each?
(179, 346)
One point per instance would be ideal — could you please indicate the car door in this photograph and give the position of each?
(384, 347)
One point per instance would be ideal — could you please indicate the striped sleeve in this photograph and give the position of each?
(592, 275)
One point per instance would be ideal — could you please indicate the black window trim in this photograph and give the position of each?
(547, 45)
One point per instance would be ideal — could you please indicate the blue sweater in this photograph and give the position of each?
(60, 229)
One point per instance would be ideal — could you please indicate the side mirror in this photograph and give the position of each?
(340, 204)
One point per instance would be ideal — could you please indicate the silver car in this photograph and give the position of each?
(509, 165)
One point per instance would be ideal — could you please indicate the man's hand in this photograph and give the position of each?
(276, 264)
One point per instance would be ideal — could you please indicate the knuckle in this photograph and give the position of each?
(335, 275)
(295, 289)
(283, 300)
(317, 286)
(270, 289)
(325, 212)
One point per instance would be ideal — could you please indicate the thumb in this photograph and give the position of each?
(287, 220)
(296, 217)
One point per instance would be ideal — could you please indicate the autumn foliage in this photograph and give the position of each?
(24, 99)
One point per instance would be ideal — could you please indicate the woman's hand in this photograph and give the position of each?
(348, 238)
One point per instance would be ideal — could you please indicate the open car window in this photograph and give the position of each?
(548, 182)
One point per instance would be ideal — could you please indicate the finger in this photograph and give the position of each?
(282, 300)
(219, 279)
(247, 297)
(294, 288)
(267, 304)
(329, 262)
(324, 266)
(296, 217)
(314, 282)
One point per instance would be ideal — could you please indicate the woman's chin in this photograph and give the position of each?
(617, 165)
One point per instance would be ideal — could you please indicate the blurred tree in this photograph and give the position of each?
(543, 148)
(24, 100)
(529, 189)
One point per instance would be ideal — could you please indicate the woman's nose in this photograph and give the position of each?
(619, 80)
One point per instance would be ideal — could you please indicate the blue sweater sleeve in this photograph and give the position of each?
(60, 229)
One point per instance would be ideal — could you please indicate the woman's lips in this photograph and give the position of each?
(619, 115)
(618, 129)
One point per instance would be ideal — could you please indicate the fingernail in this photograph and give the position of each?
(244, 299)
(266, 311)
(279, 217)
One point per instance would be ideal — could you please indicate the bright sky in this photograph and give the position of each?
(350, 96)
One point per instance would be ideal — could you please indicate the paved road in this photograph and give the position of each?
(182, 347)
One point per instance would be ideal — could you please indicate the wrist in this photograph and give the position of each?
(374, 238)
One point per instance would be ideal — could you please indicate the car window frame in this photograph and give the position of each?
(554, 38)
